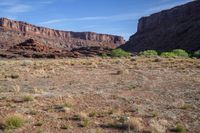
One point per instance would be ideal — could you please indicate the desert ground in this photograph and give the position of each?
(101, 95)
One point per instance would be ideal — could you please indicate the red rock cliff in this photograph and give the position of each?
(176, 28)
(66, 39)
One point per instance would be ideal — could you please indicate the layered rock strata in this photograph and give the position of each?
(176, 28)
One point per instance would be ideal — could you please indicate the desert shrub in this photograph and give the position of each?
(168, 54)
(186, 106)
(149, 53)
(14, 121)
(28, 98)
(92, 114)
(85, 122)
(179, 128)
(119, 53)
(103, 55)
(175, 53)
(180, 53)
(65, 127)
(80, 116)
(68, 105)
(123, 122)
(197, 54)
(135, 124)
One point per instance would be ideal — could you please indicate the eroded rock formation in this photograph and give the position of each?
(176, 28)
(33, 49)
(15, 32)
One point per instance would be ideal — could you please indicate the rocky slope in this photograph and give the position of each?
(33, 49)
(15, 32)
(175, 28)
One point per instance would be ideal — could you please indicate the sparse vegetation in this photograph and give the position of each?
(80, 116)
(179, 128)
(38, 124)
(120, 53)
(104, 55)
(16, 88)
(154, 114)
(168, 54)
(126, 123)
(65, 127)
(116, 96)
(186, 106)
(85, 122)
(135, 124)
(93, 114)
(32, 112)
(175, 53)
(39, 131)
(68, 105)
(28, 98)
(149, 53)
(180, 53)
(197, 54)
(14, 121)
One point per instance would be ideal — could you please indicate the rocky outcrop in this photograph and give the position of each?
(32, 49)
(14, 32)
(176, 28)
(91, 51)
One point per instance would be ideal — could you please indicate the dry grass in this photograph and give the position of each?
(14, 121)
(135, 124)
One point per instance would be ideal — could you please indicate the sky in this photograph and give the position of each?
(117, 17)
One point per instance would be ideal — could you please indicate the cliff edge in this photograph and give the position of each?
(15, 32)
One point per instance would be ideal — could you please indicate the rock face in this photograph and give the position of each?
(15, 32)
(176, 28)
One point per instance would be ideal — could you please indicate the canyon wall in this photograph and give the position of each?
(176, 28)
(14, 32)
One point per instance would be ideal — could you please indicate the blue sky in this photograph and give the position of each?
(118, 17)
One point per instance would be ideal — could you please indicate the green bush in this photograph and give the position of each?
(180, 53)
(168, 54)
(14, 121)
(119, 53)
(180, 128)
(197, 54)
(149, 53)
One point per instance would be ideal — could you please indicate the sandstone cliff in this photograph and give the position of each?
(15, 32)
(176, 28)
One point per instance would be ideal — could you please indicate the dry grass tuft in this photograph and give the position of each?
(14, 121)
(135, 124)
